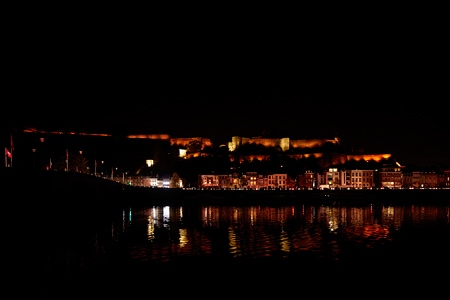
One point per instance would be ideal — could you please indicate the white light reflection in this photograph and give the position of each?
(151, 225)
(331, 222)
(166, 216)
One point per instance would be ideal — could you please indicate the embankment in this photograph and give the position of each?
(42, 187)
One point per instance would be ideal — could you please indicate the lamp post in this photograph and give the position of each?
(67, 160)
(103, 169)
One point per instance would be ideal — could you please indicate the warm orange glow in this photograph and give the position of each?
(312, 143)
(368, 157)
(285, 143)
(184, 142)
(95, 134)
(34, 130)
(149, 136)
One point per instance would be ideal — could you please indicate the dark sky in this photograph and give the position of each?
(379, 83)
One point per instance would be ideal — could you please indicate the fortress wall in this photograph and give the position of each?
(237, 141)
(267, 142)
(149, 136)
(366, 157)
(284, 143)
(183, 142)
(312, 143)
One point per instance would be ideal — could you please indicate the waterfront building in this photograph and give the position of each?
(390, 177)
(425, 179)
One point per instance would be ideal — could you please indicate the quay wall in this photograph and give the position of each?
(76, 188)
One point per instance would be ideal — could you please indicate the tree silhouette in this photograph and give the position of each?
(174, 181)
(194, 146)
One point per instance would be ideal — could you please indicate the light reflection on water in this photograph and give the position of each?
(163, 233)
(155, 245)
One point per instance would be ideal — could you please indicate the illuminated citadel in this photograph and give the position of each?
(298, 148)
(285, 144)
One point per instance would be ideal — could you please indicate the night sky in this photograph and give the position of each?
(379, 83)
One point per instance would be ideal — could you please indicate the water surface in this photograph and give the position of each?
(130, 250)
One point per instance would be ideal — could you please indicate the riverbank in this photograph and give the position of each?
(287, 197)
(83, 188)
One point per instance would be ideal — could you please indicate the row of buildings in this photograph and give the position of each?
(387, 177)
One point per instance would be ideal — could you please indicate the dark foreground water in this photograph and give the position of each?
(201, 251)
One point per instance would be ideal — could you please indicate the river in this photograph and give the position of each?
(65, 252)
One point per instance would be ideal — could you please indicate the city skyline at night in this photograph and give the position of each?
(204, 150)
(132, 151)
(379, 86)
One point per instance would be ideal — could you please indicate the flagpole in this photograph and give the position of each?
(67, 160)
(12, 147)
(7, 154)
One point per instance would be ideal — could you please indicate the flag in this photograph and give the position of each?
(7, 153)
